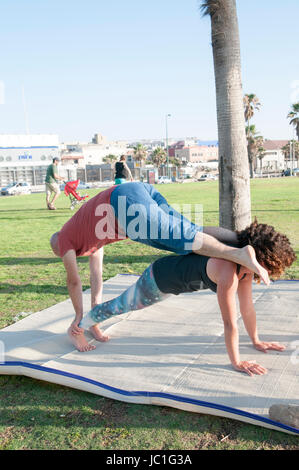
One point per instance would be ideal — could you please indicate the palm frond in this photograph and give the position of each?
(210, 7)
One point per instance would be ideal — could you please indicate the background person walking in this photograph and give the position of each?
(122, 171)
(52, 187)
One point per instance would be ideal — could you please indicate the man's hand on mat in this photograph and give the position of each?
(265, 346)
(251, 368)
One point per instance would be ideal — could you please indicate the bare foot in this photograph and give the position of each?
(97, 333)
(80, 342)
(248, 259)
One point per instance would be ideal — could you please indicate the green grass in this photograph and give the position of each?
(39, 415)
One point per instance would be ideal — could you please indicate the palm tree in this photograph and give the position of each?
(294, 117)
(254, 143)
(251, 104)
(261, 152)
(234, 181)
(291, 151)
(110, 158)
(158, 157)
(139, 154)
(177, 162)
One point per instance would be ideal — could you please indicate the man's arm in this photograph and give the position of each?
(96, 276)
(56, 175)
(74, 287)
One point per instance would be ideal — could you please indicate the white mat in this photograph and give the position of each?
(170, 354)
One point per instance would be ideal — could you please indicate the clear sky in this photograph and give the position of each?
(118, 67)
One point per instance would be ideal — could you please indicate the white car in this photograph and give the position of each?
(16, 188)
(164, 180)
(207, 177)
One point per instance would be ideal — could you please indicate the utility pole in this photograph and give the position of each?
(166, 122)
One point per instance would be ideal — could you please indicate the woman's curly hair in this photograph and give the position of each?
(273, 250)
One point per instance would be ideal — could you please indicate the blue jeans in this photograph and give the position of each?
(157, 223)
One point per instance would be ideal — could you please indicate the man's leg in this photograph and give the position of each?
(143, 293)
(48, 194)
(56, 191)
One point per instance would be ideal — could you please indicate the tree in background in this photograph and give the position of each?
(254, 143)
(251, 104)
(291, 151)
(139, 154)
(234, 181)
(158, 157)
(110, 158)
(177, 162)
(294, 118)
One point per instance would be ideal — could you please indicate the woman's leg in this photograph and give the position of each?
(143, 293)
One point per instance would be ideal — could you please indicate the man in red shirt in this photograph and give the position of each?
(110, 216)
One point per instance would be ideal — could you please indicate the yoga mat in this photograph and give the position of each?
(171, 354)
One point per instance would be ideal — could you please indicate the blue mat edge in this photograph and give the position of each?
(153, 394)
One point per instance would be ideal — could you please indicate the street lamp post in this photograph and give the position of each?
(166, 122)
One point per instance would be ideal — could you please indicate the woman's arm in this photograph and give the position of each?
(249, 316)
(247, 308)
(226, 290)
(227, 287)
(128, 171)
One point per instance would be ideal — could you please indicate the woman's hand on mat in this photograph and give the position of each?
(251, 368)
(75, 329)
(265, 346)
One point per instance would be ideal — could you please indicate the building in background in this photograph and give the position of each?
(273, 158)
(25, 158)
(197, 153)
(24, 149)
(92, 153)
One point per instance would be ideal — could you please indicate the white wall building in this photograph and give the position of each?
(93, 153)
(274, 159)
(27, 157)
(17, 150)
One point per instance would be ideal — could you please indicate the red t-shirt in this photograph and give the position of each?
(93, 226)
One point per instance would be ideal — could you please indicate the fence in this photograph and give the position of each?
(35, 175)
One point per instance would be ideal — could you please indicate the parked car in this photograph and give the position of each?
(16, 188)
(288, 172)
(164, 180)
(207, 177)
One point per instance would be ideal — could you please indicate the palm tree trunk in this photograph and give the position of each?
(234, 181)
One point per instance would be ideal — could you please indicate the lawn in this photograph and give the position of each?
(39, 415)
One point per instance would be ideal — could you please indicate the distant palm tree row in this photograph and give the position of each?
(157, 157)
(255, 142)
